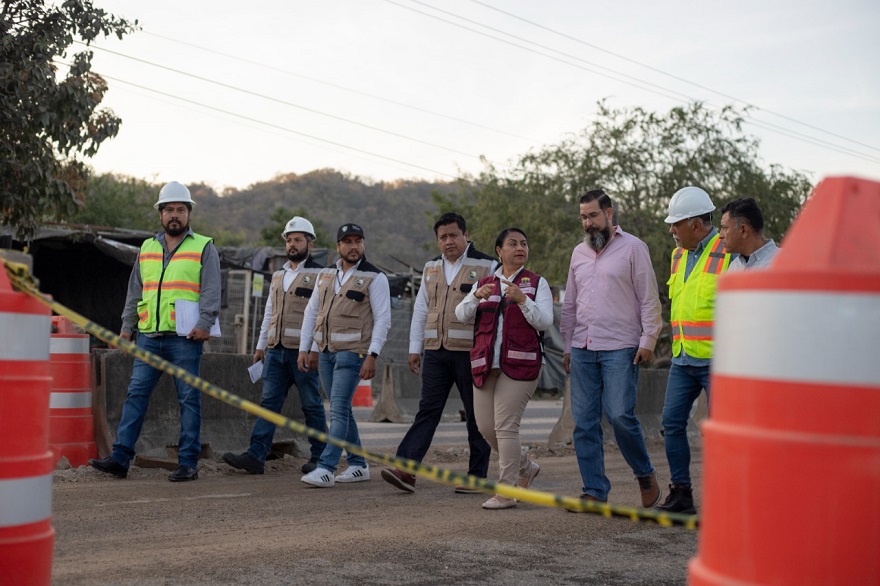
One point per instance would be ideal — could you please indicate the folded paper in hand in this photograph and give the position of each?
(187, 316)
(256, 371)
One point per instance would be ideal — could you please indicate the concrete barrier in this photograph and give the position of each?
(649, 410)
(224, 427)
(400, 393)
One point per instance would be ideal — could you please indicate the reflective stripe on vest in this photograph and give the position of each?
(180, 279)
(524, 363)
(442, 328)
(693, 301)
(345, 318)
(288, 306)
(32, 497)
(715, 265)
(676, 258)
(692, 330)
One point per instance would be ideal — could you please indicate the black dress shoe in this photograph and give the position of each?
(109, 466)
(184, 473)
(244, 462)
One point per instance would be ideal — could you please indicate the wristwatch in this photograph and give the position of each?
(374, 355)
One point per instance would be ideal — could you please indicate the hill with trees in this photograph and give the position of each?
(639, 157)
(396, 217)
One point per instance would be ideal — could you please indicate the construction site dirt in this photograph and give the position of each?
(229, 527)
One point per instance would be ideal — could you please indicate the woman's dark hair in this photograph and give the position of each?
(499, 242)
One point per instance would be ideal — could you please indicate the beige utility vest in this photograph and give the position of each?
(345, 319)
(442, 328)
(285, 323)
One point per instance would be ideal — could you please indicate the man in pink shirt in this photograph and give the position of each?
(610, 323)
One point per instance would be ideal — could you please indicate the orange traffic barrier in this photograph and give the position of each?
(363, 394)
(26, 533)
(792, 448)
(71, 425)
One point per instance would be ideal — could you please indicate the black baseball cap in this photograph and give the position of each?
(347, 229)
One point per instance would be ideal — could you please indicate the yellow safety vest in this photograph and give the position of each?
(693, 301)
(181, 279)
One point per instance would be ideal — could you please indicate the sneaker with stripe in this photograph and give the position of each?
(354, 474)
(320, 477)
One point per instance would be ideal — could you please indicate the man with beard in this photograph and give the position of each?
(348, 318)
(278, 348)
(610, 323)
(176, 265)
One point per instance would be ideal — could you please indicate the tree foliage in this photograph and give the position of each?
(640, 159)
(49, 121)
(119, 201)
(393, 214)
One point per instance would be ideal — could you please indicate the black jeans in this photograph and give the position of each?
(440, 370)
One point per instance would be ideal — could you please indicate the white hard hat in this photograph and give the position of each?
(688, 202)
(174, 192)
(298, 224)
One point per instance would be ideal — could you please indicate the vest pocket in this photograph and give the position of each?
(355, 295)
(143, 311)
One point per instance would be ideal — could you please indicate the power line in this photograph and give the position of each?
(344, 88)
(280, 101)
(766, 126)
(270, 125)
(610, 73)
(671, 75)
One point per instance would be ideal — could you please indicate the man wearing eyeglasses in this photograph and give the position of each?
(610, 323)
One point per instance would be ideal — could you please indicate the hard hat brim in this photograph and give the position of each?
(158, 203)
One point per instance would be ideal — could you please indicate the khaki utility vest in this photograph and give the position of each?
(285, 323)
(442, 328)
(345, 319)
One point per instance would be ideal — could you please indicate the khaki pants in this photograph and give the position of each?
(498, 407)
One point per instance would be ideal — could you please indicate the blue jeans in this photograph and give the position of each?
(683, 387)
(279, 372)
(186, 354)
(340, 375)
(440, 370)
(606, 380)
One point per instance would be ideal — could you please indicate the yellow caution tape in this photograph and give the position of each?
(20, 278)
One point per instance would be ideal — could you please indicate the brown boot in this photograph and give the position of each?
(650, 490)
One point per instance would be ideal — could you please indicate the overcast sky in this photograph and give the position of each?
(233, 93)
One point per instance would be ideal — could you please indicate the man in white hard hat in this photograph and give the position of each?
(696, 266)
(348, 317)
(742, 230)
(610, 323)
(175, 267)
(447, 341)
(278, 349)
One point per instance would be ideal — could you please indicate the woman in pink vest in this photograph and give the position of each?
(512, 307)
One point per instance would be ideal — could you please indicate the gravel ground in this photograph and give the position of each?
(233, 528)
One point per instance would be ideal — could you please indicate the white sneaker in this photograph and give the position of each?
(320, 477)
(354, 474)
